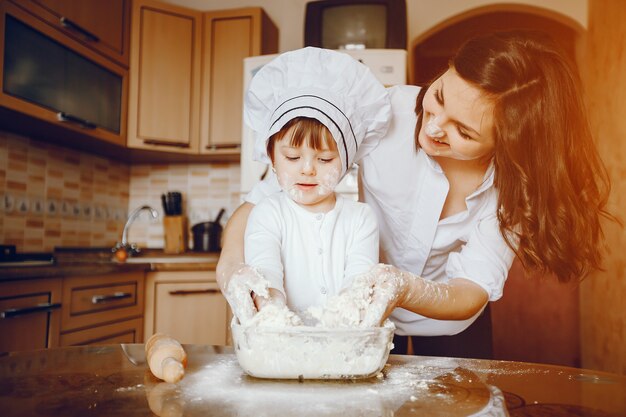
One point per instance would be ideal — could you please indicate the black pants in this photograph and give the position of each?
(473, 342)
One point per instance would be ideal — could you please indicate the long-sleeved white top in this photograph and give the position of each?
(310, 256)
(407, 189)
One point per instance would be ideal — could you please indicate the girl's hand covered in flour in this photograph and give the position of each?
(239, 285)
(247, 292)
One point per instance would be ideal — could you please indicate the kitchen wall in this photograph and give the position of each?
(52, 196)
(422, 15)
(603, 314)
(206, 188)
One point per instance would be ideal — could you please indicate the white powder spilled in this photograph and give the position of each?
(436, 387)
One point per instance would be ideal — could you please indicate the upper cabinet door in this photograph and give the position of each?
(55, 79)
(102, 25)
(229, 36)
(164, 97)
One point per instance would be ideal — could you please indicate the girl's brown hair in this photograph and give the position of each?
(552, 185)
(313, 131)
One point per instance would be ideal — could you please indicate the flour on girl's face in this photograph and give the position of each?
(326, 184)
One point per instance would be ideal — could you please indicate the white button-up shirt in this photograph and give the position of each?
(406, 190)
(310, 256)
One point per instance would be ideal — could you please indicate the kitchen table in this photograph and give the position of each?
(113, 380)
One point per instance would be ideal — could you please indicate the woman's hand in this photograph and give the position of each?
(388, 287)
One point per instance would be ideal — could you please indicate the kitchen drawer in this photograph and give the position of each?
(129, 331)
(188, 306)
(30, 312)
(94, 300)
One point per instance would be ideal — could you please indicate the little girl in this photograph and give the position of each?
(307, 241)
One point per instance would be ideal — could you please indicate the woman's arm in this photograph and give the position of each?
(231, 256)
(456, 299)
(231, 267)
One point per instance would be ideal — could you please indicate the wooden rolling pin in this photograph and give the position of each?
(166, 357)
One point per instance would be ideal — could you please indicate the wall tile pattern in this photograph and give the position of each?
(206, 188)
(51, 196)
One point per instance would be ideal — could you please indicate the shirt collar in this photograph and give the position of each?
(487, 179)
(310, 214)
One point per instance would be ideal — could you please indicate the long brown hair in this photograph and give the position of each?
(552, 185)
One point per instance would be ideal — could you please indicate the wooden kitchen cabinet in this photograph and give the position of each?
(103, 309)
(229, 36)
(186, 76)
(30, 314)
(188, 306)
(103, 26)
(165, 63)
(53, 78)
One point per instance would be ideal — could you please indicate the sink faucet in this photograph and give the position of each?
(131, 248)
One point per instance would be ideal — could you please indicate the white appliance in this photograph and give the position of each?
(388, 65)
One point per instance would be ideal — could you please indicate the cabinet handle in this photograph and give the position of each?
(39, 308)
(67, 23)
(218, 146)
(192, 292)
(85, 124)
(97, 299)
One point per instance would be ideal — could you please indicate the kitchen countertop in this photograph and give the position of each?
(113, 380)
(95, 261)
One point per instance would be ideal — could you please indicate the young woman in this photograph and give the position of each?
(493, 160)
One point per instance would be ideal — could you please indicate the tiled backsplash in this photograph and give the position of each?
(206, 188)
(54, 196)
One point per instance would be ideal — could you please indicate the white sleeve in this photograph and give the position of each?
(485, 258)
(264, 188)
(362, 252)
(262, 244)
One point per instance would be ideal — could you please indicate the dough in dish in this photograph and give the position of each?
(321, 343)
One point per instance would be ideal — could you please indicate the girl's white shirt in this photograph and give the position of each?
(406, 189)
(310, 256)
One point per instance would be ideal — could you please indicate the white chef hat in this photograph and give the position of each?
(322, 84)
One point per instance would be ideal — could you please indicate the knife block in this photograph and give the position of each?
(175, 234)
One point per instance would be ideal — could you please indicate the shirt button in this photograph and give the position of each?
(319, 217)
(323, 290)
(320, 251)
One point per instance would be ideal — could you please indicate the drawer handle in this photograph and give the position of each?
(67, 23)
(85, 124)
(39, 308)
(193, 292)
(97, 299)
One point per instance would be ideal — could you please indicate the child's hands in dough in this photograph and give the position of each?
(240, 288)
